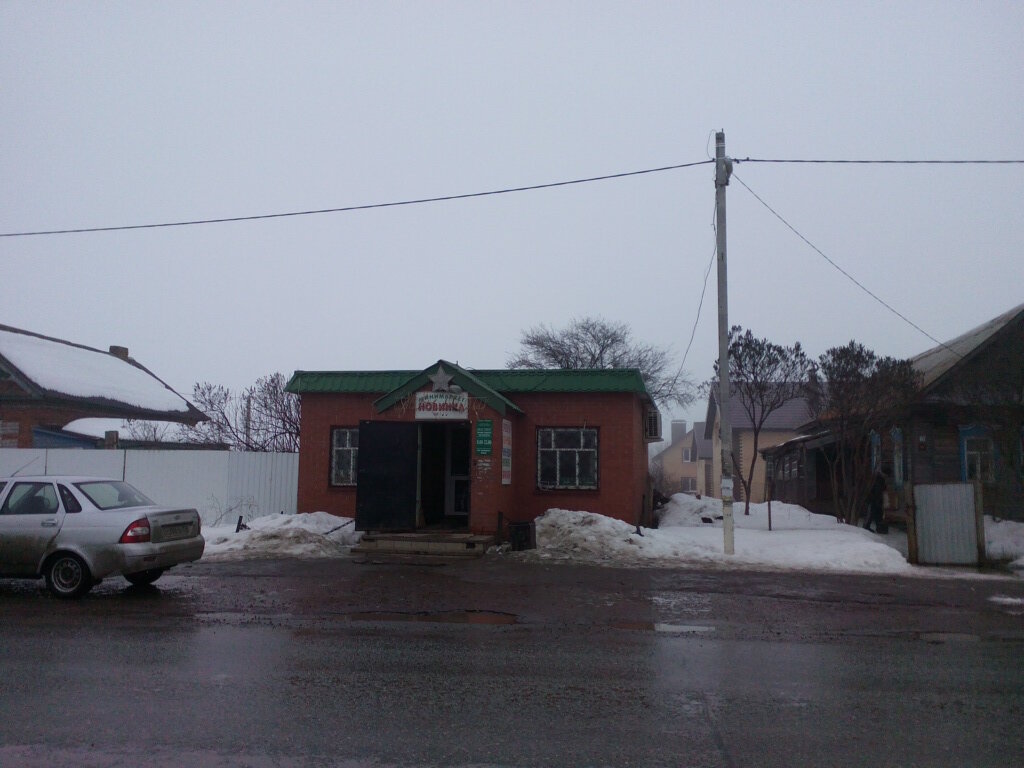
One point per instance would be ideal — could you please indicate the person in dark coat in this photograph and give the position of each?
(876, 504)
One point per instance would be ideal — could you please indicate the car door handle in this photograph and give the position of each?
(49, 523)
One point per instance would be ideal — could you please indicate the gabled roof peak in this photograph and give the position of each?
(442, 375)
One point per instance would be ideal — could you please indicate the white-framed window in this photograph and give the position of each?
(567, 458)
(686, 454)
(978, 459)
(344, 455)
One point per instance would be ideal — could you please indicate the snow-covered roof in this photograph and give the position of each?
(49, 368)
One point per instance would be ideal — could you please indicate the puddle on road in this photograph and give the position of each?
(445, 617)
(672, 629)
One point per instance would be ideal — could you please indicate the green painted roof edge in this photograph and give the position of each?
(509, 381)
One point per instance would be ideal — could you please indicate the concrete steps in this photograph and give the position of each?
(442, 544)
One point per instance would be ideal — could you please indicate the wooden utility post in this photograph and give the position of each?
(723, 169)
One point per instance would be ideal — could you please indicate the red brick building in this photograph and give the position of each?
(447, 447)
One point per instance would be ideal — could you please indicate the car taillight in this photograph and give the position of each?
(136, 532)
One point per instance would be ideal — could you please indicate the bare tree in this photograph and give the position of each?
(764, 377)
(592, 342)
(148, 431)
(853, 393)
(263, 417)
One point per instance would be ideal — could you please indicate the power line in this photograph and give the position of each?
(843, 271)
(344, 209)
(880, 162)
(703, 290)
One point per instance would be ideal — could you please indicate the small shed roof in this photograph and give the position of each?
(46, 368)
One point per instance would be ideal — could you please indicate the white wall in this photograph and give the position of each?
(221, 484)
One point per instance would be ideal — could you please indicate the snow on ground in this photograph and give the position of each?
(690, 532)
(1014, 605)
(313, 534)
(1004, 540)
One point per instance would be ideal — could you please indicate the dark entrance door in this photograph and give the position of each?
(444, 474)
(386, 478)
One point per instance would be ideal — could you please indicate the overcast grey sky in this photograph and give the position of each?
(135, 113)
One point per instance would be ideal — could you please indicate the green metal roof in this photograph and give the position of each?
(504, 381)
(565, 380)
(348, 382)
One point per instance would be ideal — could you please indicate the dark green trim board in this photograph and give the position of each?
(501, 382)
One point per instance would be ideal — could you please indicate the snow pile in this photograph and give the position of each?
(312, 534)
(1004, 540)
(800, 540)
(684, 510)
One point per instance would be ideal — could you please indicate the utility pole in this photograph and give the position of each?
(723, 170)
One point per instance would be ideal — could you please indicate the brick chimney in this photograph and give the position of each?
(121, 352)
(678, 429)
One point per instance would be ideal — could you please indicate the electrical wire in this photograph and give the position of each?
(850, 277)
(880, 162)
(707, 272)
(348, 208)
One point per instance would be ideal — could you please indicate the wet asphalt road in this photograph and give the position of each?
(507, 663)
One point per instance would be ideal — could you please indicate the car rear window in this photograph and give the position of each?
(113, 494)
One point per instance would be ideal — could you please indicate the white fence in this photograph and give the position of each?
(221, 484)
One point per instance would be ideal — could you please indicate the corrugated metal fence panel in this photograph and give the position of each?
(263, 483)
(196, 479)
(222, 485)
(947, 532)
(22, 461)
(76, 461)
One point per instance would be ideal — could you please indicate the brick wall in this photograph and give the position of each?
(622, 455)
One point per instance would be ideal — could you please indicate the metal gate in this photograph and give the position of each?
(947, 525)
(386, 480)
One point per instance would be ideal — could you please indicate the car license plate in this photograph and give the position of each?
(176, 531)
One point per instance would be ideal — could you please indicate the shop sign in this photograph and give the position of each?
(484, 437)
(506, 452)
(442, 406)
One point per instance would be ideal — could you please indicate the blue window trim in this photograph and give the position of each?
(975, 430)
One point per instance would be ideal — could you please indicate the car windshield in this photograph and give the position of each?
(113, 494)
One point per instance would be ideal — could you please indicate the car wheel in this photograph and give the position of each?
(143, 578)
(67, 575)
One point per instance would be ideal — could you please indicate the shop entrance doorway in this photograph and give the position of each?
(413, 475)
(444, 475)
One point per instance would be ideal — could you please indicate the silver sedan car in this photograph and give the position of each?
(76, 531)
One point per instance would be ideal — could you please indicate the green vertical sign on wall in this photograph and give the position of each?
(484, 437)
